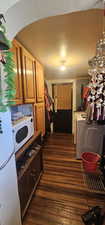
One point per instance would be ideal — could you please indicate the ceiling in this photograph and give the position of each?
(67, 39)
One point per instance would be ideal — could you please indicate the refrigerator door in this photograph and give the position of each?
(6, 140)
(9, 200)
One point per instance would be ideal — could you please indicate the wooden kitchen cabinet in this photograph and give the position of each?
(40, 117)
(16, 49)
(29, 180)
(28, 68)
(29, 79)
(29, 83)
(39, 82)
(29, 169)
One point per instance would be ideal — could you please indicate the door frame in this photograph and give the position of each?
(73, 81)
(63, 83)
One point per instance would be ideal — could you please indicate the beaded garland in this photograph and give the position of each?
(7, 76)
(96, 96)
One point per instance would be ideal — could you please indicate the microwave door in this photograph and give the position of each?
(20, 136)
(22, 132)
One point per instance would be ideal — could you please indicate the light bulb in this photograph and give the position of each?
(63, 67)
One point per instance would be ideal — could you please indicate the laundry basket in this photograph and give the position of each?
(90, 161)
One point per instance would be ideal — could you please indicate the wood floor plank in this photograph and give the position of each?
(61, 197)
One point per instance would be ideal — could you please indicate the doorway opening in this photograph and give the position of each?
(62, 108)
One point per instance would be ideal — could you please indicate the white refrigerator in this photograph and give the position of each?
(9, 199)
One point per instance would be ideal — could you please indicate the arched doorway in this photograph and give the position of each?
(18, 14)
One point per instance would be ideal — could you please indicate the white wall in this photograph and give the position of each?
(6, 4)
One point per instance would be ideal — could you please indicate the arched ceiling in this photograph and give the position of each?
(20, 13)
(71, 38)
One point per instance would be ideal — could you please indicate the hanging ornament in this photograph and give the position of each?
(96, 97)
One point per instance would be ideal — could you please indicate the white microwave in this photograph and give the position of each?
(23, 130)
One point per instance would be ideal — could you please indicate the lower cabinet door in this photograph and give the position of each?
(37, 165)
(27, 182)
(23, 192)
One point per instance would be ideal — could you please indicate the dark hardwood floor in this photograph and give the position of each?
(62, 196)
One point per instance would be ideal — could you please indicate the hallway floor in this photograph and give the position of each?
(61, 197)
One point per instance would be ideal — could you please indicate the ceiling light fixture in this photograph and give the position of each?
(63, 52)
(63, 67)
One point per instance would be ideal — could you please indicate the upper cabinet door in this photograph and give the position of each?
(18, 78)
(28, 63)
(39, 82)
(40, 117)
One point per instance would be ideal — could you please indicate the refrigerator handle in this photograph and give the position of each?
(7, 161)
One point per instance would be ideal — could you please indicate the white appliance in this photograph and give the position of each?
(89, 138)
(9, 199)
(23, 130)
